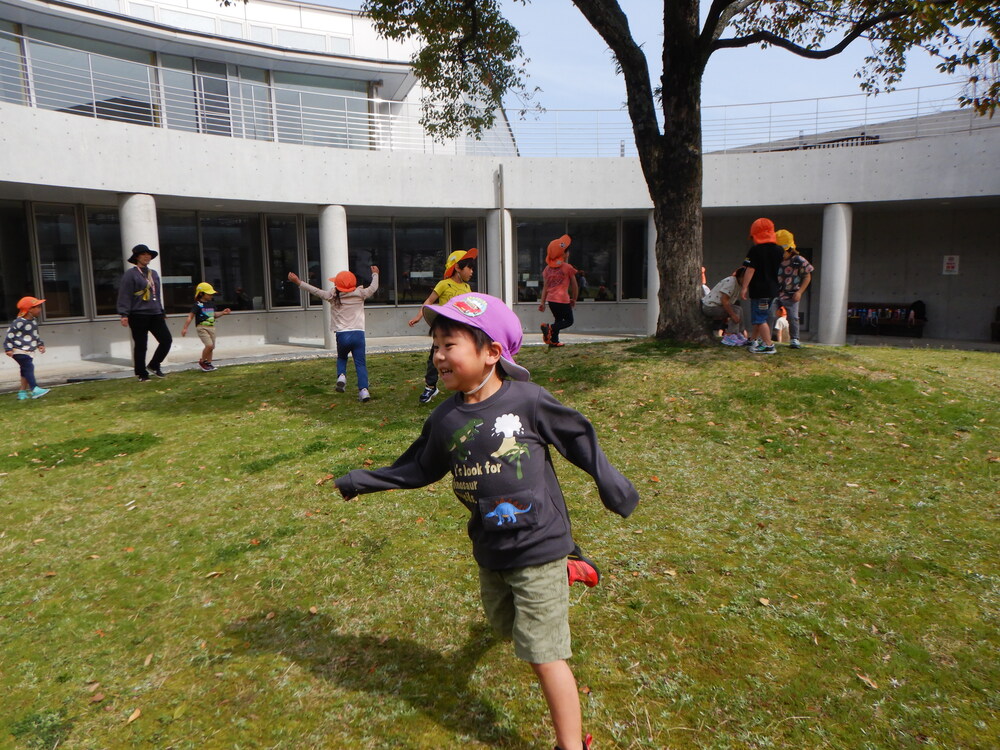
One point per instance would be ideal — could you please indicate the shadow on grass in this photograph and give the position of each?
(435, 684)
(262, 464)
(75, 451)
(651, 347)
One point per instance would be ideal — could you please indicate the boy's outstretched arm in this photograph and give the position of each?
(423, 463)
(572, 434)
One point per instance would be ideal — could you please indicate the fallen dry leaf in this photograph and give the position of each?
(765, 602)
(313, 611)
(324, 480)
(97, 698)
(92, 686)
(149, 658)
(213, 574)
(269, 616)
(671, 573)
(867, 680)
(135, 715)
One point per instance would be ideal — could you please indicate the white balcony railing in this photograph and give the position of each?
(49, 76)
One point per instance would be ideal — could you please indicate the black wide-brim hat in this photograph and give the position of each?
(138, 250)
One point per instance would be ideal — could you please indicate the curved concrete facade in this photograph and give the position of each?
(876, 220)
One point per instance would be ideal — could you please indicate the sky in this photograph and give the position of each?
(574, 69)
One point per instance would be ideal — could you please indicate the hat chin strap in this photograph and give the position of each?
(485, 381)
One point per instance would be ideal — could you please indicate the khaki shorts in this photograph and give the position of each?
(207, 335)
(531, 606)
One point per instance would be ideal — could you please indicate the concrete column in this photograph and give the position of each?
(137, 224)
(501, 265)
(652, 278)
(835, 274)
(333, 258)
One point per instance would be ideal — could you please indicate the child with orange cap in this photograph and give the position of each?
(559, 289)
(458, 270)
(760, 282)
(347, 321)
(22, 341)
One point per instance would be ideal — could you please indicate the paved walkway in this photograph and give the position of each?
(109, 369)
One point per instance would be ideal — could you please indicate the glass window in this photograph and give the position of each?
(180, 259)
(179, 93)
(533, 238)
(370, 244)
(321, 111)
(283, 256)
(90, 77)
(313, 272)
(59, 256)
(105, 240)
(465, 235)
(592, 253)
(420, 256)
(634, 259)
(231, 245)
(11, 65)
(213, 97)
(122, 90)
(253, 113)
(15, 259)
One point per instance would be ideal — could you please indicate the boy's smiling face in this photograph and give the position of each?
(461, 364)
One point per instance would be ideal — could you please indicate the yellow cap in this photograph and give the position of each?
(204, 288)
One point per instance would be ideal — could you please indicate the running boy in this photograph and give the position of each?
(559, 288)
(22, 341)
(203, 314)
(460, 264)
(493, 437)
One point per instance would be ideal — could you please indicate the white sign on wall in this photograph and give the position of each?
(950, 267)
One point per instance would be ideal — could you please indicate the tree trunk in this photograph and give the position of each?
(673, 171)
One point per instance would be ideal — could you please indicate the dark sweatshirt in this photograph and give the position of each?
(133, 298)
(498, 454)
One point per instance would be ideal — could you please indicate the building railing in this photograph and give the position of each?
(45, 75)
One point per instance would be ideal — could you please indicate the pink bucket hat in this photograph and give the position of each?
(491, 316)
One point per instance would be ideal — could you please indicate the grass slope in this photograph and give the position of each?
(813, 563)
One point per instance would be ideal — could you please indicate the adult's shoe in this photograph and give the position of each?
(430, 391)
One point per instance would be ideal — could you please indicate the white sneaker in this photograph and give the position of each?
(364, 396)
(794, 344)
(341, 383)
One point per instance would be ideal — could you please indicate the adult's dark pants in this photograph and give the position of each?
(141, 326)
(563, 314)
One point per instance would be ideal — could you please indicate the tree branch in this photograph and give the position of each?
(719, 15)
(777, 41)
(608, 19)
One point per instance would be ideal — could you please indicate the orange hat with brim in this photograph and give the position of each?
(557, 251)
(345, 281)
(26, 303)
(762, 231)
(455, 258)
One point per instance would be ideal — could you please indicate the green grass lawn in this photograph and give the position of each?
(813, 563)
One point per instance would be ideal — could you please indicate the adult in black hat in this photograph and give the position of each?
(140, 305)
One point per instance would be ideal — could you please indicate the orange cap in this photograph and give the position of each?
(26, 303)
(557, 251)
(345, 281)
